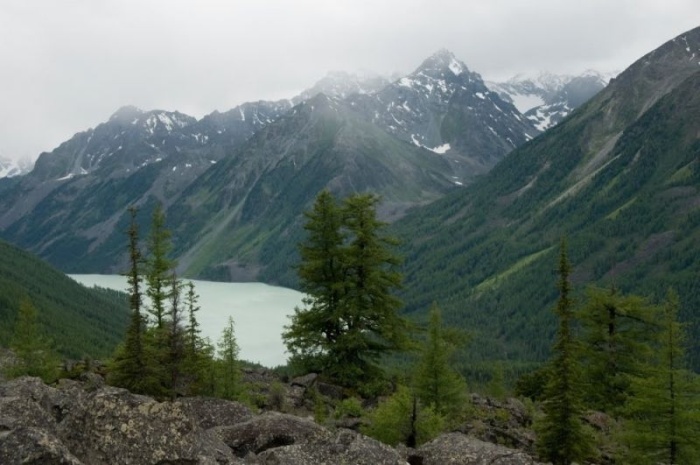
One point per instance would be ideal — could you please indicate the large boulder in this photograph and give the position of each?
(209, 412)
(270, 430)
(114, 426)
(460, 449)
(344, 448)
(33, 446)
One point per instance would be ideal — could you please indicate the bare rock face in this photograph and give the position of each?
(459, 449)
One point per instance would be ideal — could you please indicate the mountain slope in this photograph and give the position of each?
(618, 177)
(245, 213)
(81, 321)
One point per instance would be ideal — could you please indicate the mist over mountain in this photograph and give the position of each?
(237, 181)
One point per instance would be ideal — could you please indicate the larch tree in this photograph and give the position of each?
(350, 316)
(561, 436)
(662, 417)
(317, 327)
(373, 326)
(130, 365)
(34, 353)
(159, 266)
(229, 376)
(437, 384)
(616, 344)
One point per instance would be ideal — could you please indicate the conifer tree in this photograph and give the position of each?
(437, 384)
(317, 326)
(229, 373)
(130, 366)
(197, 363)
(175, 356)
(350, 318)
(159, 266)
(373, 326)
(617, 333)
(561, 436)
(34, 354)
(663, 414)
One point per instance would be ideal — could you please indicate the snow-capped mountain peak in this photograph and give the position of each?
(546, 98)
(441, 62)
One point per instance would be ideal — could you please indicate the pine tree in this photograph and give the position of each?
(197, 363)
(350, 318)
(229, 373)
(130, 365)
(663, 416)
(437, 384)
(617, 332)
(561, 436)
(159, 266)
(35, 356)
(175, 356)
(317, 326)
(373, 326)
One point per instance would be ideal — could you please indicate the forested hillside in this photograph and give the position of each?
(81, 322)
(619, 178)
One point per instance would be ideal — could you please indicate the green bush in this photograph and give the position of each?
(401, 419)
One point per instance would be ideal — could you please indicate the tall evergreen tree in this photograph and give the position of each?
(175, 355)
(437, 384)
(370, 308)
(130, 364)
(317, 326)
(159, 266)
(561, 436)
(348, 271)
(229, 369)
(663, 415)
(34, 354)
(617, 333)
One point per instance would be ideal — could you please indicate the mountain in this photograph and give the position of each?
(546, 99)
(222, 178)
(10, 167)
(80, 321)
(340, 84)
(445, 108)
(242, 219)
(619, 178)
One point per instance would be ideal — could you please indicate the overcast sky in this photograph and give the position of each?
(66, 66)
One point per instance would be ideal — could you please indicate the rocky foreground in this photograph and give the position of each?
(88, 423)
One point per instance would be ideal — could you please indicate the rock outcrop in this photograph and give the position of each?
(88, 423)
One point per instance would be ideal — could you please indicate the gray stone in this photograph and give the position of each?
(269, 430)
(210, 412)
(459, 449)
(117, 427)
(345, 448)
(33, 446)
